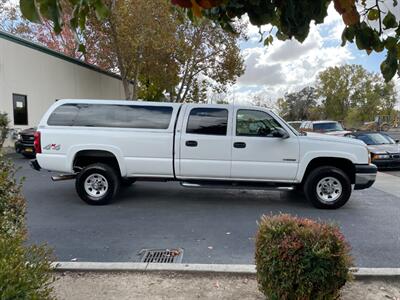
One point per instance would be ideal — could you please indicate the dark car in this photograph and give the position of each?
(24, 143)
(385, 151)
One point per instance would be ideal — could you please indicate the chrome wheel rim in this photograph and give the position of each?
(329, 189)
(96, 185)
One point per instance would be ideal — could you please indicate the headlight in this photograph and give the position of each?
(380, 156)
(18, 136)
(369, 156)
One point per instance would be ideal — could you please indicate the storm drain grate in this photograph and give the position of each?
(164, 256)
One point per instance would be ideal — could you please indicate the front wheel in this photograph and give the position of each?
(97, 184)
(327, 188)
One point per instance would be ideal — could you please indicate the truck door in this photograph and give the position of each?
(256, 154)
(205, 142)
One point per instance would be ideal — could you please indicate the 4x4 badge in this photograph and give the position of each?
(52, 147)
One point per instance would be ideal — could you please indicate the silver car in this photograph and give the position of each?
(385, 151)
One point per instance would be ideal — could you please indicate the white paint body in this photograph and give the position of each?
(150, 153)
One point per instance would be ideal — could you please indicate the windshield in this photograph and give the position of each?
(376, 139)
(325, 127)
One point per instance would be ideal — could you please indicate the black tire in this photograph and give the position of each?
(127, 182)
(321, 174)
(105, 175)
(385, 127)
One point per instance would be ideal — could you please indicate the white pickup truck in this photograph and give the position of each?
(105, 144)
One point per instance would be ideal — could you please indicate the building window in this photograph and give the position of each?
(20, 106)
(211, 121)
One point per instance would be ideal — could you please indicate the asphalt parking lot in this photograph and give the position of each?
(212, 226)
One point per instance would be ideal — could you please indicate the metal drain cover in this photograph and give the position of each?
(164, 256)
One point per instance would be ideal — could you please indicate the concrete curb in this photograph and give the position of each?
(195, 268)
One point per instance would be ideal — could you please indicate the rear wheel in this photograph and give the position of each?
(327, 187)
(97, 184)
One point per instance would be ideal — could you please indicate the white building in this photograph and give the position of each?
(32, 77)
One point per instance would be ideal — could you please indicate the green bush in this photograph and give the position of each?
(300, 259)
(25, 271)
(12, 204)
(3, 128)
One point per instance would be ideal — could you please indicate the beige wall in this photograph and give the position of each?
(44, 78)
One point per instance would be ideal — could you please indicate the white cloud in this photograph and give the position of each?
(289, 66)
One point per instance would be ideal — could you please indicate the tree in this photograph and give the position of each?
(161, 54)
(158, 52)
(352, 93)
(139, 38)
(260, 99)
(367, 24)
(206, 54)
(66, 41)
(302, 105)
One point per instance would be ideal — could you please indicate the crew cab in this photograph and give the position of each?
(106, 144)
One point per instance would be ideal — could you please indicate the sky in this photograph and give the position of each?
(289, 66)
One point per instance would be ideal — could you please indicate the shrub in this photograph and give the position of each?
(12, 204)
(25, 271)
(3, 128)
(300, 259)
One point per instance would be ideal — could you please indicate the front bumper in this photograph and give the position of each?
(365, 176)
(24, 148)
(387, 163)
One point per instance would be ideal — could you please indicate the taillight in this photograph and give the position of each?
(36, 143)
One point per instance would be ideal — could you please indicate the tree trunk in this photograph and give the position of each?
(135, 83)
(127, 88)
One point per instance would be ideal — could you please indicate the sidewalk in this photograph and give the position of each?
(388, 183)
(187, 286)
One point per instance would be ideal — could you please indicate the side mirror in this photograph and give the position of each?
(280, 133)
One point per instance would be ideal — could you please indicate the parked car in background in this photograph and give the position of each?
(295, 124)
(327, 127)
(385, 151)
(24, 143)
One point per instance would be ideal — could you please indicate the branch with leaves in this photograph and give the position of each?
(372, 29)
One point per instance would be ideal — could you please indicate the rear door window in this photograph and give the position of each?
(211, 121)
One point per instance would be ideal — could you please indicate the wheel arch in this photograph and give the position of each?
(344, 164)
(82, 157)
